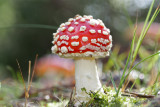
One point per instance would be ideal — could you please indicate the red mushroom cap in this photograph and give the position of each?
(82, 37)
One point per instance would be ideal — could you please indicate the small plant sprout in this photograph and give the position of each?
(84, 39)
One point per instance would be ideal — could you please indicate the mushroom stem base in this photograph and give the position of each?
(86, 76)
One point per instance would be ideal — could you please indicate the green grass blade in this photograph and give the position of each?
(114, 85)
(29, 26)
(142, 35)
(113, 58)
(133, 84)
(156, 80)
(147, 18)
(130, 23)
(151, 21)
(127, 63)
(13, 73)
(140, 63)
(19, 77)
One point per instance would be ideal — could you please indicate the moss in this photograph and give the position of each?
(54, 104)
(109, 99)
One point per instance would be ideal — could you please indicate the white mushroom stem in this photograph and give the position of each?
(86, 76)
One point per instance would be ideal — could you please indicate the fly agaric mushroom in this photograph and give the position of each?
(84, 39)
(53, 64)
(53, 68)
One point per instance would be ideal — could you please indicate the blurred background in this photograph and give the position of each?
(26, 26)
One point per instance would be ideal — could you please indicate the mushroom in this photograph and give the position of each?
(53, 68)
(53, 64)
(84, 39)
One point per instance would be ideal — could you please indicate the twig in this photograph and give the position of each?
(137, 95)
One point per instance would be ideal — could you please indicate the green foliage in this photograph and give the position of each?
(133, 52)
